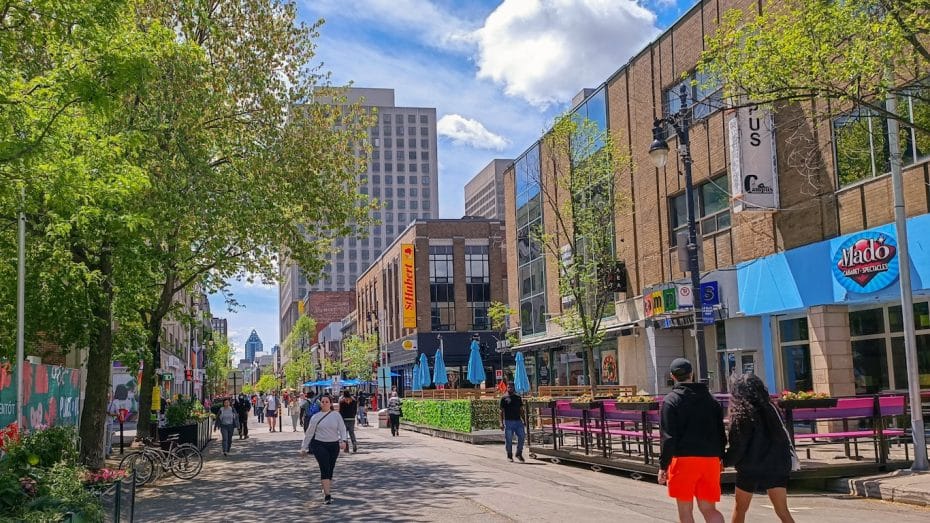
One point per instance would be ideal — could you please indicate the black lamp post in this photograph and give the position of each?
(658, 151)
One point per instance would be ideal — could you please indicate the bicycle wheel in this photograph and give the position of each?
(186, 462)
(141, 464)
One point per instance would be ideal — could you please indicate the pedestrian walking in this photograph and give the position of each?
(348, 409)
(293, 409)
(325, 436)
(259, 402)
(311, 407)
(272, 404)
(227, 420)
(362, 408)
(395, 411)
(512, 422)
(243, 406)
(693, 445)
(759, 448)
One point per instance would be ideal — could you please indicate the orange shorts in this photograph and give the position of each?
(694, 477)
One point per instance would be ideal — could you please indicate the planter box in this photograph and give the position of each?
(541, 404)
(638, 405)
(816, 403)
(585, 405)
(197, 433)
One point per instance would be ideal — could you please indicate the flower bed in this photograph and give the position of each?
(806, 400)
(457, 415)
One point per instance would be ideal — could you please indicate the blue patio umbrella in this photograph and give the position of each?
(520, 380)
(416, 377)
(425, 378)
(475, 367)
(439, 369)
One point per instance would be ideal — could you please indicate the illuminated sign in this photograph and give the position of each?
(866, 262)
(408, 285)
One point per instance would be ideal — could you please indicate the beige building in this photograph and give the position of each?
(484, 193)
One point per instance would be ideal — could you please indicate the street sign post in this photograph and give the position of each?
(384, 379)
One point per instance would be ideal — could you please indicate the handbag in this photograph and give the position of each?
(795, 462)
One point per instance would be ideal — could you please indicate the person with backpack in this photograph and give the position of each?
(243, 406)
(760, 448)
(348, 409)
(324, 438)
(311, 407)
(362, 409)
(395, 411)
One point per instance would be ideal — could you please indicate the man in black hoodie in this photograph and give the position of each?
(693, 445)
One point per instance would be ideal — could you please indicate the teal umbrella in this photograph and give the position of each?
(425, 378)
(439, 370)
(416, 377)
(521, 381)
(475, 367)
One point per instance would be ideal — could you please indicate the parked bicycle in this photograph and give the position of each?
(184, 461)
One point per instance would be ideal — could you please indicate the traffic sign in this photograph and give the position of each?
(499, 374)
(167, 377)
(384, 378)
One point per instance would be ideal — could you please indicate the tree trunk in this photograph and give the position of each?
(100, 356)
(592, 371)
(153, 324)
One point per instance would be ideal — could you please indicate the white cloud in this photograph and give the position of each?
(545, 51)
(466, 131)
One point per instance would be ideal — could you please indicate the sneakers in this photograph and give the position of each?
(328, 500)
(224, 453)
(510, 459)
(354, 449)
(520, 457)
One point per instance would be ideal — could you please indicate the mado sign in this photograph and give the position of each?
(866, 262)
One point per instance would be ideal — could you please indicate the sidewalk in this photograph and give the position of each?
(901, 486)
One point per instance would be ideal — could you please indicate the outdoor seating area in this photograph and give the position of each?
(625, 435)
(453, 394)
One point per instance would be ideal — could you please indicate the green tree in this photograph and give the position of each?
(331, 366)
(359, 355)
(499, 314)
(299, 368)
(300, 337)
(266, 383)
(219, 364)
(581, 200)
(835, 55)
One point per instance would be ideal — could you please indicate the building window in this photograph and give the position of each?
(401, 204)
(877, 340)
(376, 167)
(412, 168)
(412, 131)
(424, 119)
(386, 131)
(424, 167)
(424, 144)
(412, 143)
(388, 167)
(399, 143)
(424, 205)
(860, 138)
(386, 117)
(400, 130)
(442, 287)
(712, 210)
(424, 131)
(704, 96)
(414, 192)
(424, 155)
(795, 354)
(442, 316)
(401, 192)
(424, 180)
(478, 285)
(411, 155)
(530, 261)
(401, 167)
(411, 118)
(413, 204)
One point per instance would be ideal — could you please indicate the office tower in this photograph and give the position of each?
(484, 193)
(252, 345)
(402, 174)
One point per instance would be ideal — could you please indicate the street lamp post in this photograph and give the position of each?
(382, 360)
(681, 122)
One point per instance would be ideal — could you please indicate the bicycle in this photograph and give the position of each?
(184, 461)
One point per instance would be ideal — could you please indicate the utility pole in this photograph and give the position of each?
(21, 309)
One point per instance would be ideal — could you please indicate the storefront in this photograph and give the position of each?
(833, 314)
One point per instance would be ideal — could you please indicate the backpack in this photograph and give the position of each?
(314, 407)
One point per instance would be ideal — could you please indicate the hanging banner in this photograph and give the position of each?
(753, 168)
(51, 395)
(408, 285)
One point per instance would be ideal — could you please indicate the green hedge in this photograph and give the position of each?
(458, 415)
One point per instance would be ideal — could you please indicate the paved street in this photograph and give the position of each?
(417, 478)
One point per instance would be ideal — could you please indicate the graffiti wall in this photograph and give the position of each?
(52, 395)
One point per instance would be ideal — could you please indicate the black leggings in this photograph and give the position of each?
(326, 453)
(394, 422)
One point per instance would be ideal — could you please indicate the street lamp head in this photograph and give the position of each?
(658, 151)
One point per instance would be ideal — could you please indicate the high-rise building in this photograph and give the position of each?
(253, 345)
(402, 174)
(484, 194)
(220, 328)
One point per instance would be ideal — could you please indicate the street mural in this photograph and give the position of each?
(51, 395)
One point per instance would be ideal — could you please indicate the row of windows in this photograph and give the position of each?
(387, 143)
(389, 179)
(411, 118)
(388, 130)
(400, 167)
(712, 209)
(389, 155)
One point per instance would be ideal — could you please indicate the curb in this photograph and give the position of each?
(900, 486)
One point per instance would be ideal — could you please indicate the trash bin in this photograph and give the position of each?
(383, 419)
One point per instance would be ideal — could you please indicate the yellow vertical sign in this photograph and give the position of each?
(408, 285)
(300, 307)
(156, 398)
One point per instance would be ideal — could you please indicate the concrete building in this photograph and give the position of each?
(220, 328)
(253, 345)
(437, 278)
(402, 174)
(484, 194)
(182, 344)
(788, 291)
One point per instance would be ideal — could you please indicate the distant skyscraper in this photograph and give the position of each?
(402, 175)
(220, 328)
(484, 194)
(253, 345)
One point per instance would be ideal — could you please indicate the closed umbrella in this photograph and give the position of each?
(416, 378)
(520, 380)
(425, 378)
(439, 370)
(475, 367)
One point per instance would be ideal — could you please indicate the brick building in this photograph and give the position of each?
(456, 269)
(328, 307)
(786, 285)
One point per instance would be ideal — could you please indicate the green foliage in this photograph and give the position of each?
(331, 367)
(359, 355)
(44, 448)
(812, 49)
(266, 383)
(219, 365)
(65, 493)
(299, 338)
(248, 389)
(446, 414)
(299, 368)
(485, 414)
(184, 411)
(499, 314)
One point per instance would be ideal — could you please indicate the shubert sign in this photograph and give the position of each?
(408, 286)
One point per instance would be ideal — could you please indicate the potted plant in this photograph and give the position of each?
(541, 402)
(585, 402)
(179, 419)
(637, 402)
(805, 400)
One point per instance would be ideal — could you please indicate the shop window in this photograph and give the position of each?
(442, 316)
(795, 354)
(899, 361)
(870, 365)
(878, 345)
(712, 209)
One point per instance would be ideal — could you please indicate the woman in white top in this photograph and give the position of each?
(325, 436)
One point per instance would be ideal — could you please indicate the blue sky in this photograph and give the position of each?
(497, 72)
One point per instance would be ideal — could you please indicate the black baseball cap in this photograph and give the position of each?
(680, 368)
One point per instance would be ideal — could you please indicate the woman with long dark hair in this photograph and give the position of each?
(759, 448)
(324, 438)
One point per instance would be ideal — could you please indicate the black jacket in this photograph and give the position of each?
(758, 444)
(691, 424)
(243, 406)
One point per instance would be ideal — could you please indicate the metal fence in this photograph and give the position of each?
(118, 500)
